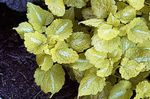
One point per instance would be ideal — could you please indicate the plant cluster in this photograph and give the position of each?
(103, 44)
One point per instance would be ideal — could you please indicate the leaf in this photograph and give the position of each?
(105, 68)
(123, 30)
(44, 61)
(136, 4)
(138, 31)
(147, 20)
(60, 29)
(63, 54)
(91, 85)
(94, 56)
(38, 17)
(112, 20)
(87, 13)
(93, 22)
(130, 68)
(145, 45)
(145, 9)
(143, 90)
(51, 44)
(57, 7)
(23, 28)
(140, 55)
(121, 5)
(70, 14)
(79, 41)
(102, 63)
(49, 81)
(80, 28)
(75, 3)
(101, 95)
(78, 75)
(82, 63)
(103, 45)
(106, 91)
(107, 32)
(121, 90)
(35, 42)
(126, 15)
(132, 51)
(102, 8)
(115, 55)
(126, 44)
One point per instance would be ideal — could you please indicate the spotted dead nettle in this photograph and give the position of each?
(102, 43)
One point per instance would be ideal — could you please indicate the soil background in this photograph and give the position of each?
(17, 66)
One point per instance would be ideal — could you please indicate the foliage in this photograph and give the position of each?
(102, 42)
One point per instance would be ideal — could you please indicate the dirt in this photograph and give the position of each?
(17, 66)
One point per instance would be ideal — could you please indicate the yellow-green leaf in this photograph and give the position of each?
(130, 68)
(104, 68)
(62, 54)
(126, 44)
(123, 30)
(126, 15)
(35, 42)
(107, 32)
(102, 63)
(87, 13)
(102, 8)
(78, 75)
(23, 28)
(75, 3)
(121, 5)
(60, 29)
(143, 90)
(51, 80)
(105, 45)
(69, 14)
(115, 55)
(121, 90)
(141, 55)
(101, 95)
(91, 85)
(112, 20)
(94, 56)
(82, 63)
(138, 31)
(44, 61)
(79, 41)
(137, 4)
(57, 7)
(38, 17)
(93, 22)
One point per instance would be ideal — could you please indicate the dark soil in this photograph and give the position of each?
(17, 66)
